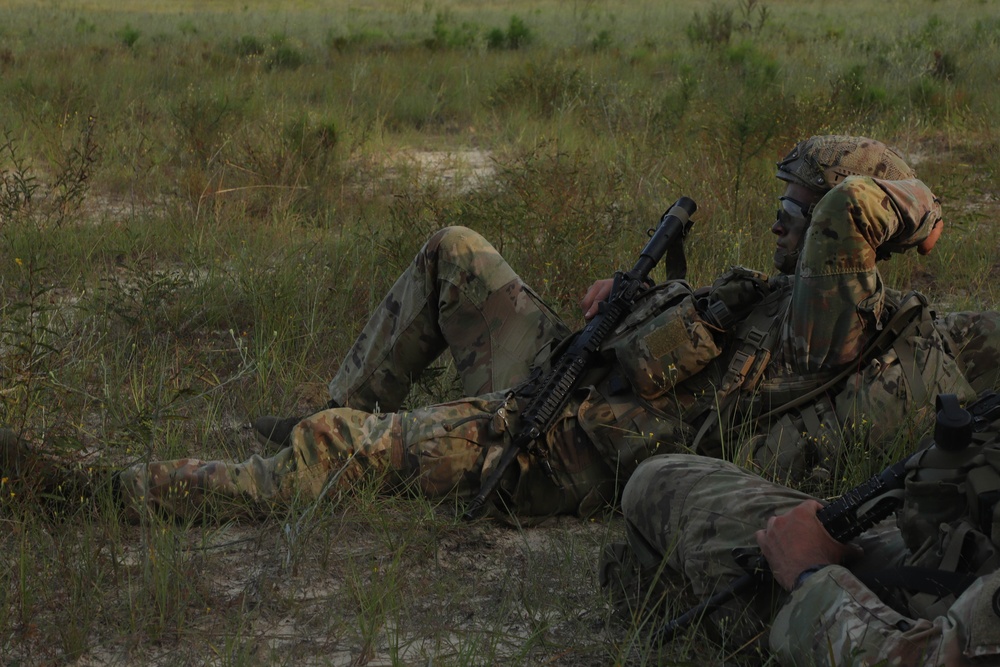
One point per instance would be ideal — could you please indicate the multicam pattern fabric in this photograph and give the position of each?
(838, 302)
(823, 162)
(689, 513)
(838, 296)
(459, 294)
(441, 449)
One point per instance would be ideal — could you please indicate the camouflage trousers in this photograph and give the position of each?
(977, 336)
(458, 294)
(685, 514)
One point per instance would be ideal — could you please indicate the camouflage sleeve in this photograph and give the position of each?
(837, 290)
(833, 619)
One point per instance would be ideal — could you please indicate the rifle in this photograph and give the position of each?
(840, 518)
(862, 507)
(557, 385)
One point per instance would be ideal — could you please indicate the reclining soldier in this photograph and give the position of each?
(923, 589)
(797, 362)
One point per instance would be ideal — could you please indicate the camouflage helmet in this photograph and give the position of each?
(820, 163)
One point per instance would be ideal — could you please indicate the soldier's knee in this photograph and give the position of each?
(663, 481)
(650, 483)
(448, 240)
(457, 244)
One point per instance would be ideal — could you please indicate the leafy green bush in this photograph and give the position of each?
(713, 30)
(717, 27)
(285, 57)
(517, 36)
(128, 36)
(546, 87)
(496, 39)
(602, 41)
(446, 36)
(249, 46)
(853, 90)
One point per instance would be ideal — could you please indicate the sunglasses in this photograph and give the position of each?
(792, 209)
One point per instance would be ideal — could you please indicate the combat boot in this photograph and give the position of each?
(272, 431)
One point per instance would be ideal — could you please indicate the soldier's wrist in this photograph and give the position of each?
(805, 574)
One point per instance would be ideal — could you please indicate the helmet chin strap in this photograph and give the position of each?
(785, 262)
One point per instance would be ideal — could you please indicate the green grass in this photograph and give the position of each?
(201, 202)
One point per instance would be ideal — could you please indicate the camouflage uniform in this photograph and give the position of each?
(836, 306)
(688, 512)
(460, 294)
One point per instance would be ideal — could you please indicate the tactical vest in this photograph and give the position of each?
(787, 426)
(719, 343)
(690, 370)
(662, 342)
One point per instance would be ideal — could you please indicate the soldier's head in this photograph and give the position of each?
(813, 168)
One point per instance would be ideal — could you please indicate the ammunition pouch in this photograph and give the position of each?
(662, 342)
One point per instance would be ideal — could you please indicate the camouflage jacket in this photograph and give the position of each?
(811, 327)
(833, 619)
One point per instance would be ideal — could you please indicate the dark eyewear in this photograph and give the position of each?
(794, 209)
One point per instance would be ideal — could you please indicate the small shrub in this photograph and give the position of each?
(496, 39)
(602, 41)
(518, 35)
(545, 87)
(17, 182)
(285, 57)
(305, 135)
(187, 28)
(363, 40)
(249, 46)
(756, 68)
(128, 36)
(200, 120)
(445, 36)
(676, 99)
(714, 30)
(754, 16)
(854, 90)
(928, 95)
(944, 67)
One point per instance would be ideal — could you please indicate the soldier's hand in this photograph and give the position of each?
(796, 541)
(597, 293)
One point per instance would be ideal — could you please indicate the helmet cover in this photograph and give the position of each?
(822, 162)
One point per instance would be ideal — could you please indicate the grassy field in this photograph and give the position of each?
(201, 202)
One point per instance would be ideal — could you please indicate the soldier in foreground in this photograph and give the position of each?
(921, 590)
(789, 368)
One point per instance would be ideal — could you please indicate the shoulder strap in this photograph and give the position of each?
(755, 338)
(913, 307)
